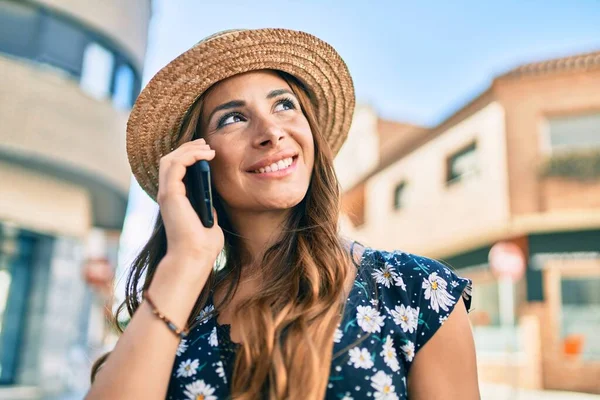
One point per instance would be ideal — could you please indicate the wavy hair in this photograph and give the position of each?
(287, 326)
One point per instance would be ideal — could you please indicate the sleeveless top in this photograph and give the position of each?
(397, 303)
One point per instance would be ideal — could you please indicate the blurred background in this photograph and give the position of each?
(476, 140)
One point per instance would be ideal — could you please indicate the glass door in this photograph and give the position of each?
(16, 253)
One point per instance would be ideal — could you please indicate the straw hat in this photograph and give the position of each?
(156, 117)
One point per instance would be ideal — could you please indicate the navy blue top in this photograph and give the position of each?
(396, 305)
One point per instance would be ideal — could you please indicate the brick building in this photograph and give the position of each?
(69, 73)
(518, 163)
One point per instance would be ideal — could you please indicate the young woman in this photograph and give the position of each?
(271, 302)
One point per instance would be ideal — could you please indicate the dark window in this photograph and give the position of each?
(62, 44)
(399, 195)
(19, 25)
(42, 35)
(463, 164)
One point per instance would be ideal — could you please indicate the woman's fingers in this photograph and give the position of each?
(173, 167)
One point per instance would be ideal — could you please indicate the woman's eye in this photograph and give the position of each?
(229, 119)
(285, 104)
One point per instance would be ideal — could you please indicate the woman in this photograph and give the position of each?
(291, 310)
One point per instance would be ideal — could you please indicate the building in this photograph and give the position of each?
(520, 163)
(69, 73)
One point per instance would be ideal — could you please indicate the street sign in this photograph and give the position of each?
(508, 264)
(507, 261)
(98, 272)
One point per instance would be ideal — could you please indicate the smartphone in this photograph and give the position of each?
(198, 189)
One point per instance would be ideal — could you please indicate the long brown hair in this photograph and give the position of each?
(287, 327)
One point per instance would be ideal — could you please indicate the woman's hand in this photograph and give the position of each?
(187, 238)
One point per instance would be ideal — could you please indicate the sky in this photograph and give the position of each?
(415, 61)
(412, 61)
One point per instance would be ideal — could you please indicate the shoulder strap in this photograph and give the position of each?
(356, 257)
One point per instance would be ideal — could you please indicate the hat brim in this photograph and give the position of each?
(156, 116)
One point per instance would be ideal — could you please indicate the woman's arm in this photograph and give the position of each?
(140, 365)
(445, 367)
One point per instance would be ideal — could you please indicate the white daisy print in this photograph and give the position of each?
(385, 275)
(346, 397)
(369, 319)
(204, 313)
(188, 368)
(221, 371)
(337, 336)
(199, 390)
(361, 358)
(436, 293)
(398, 281)
(374, 302)
(389, 354)
(182, 347)
(388, 276)
(406, 317)
(454, 284)
(443, 319)
(212, 339)
(409, 351)
(384, 389)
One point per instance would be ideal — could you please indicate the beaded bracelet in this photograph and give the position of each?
(182, 333)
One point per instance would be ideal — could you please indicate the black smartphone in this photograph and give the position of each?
(198, 189)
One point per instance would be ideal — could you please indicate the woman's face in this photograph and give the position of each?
(262, 140)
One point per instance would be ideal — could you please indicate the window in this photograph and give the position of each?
(96, 73)
(492, 329)
(124, 85)
(486, 307)
(463, 164)
(19, 25)
(5, 279)
(62, 44)
(16, 252)
(581, 315)
(575, 132)
(45, 36)
(400, 195)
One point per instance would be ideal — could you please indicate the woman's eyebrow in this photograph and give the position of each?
(227, 106)
(279, 92)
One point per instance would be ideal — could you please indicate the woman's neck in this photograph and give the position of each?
(258, 231)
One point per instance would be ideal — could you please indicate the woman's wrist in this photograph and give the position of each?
(180, 332)
(184, 271)
(176, 285)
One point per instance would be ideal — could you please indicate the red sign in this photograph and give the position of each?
(98, 272)
(507, 261)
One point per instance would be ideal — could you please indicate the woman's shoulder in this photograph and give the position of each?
(395, 257)
(414, 293)
(403, 261)
(415, 280)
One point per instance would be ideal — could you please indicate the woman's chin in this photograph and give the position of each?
(282, 205)
(265, 200)
(279, 202)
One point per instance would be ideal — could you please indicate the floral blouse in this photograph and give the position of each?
(396, 305)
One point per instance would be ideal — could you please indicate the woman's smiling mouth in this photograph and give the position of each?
(279, 169)
(276, 166)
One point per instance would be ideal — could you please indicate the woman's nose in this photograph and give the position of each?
(269, 135)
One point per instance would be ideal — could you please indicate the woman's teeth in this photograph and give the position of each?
(281, 164)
